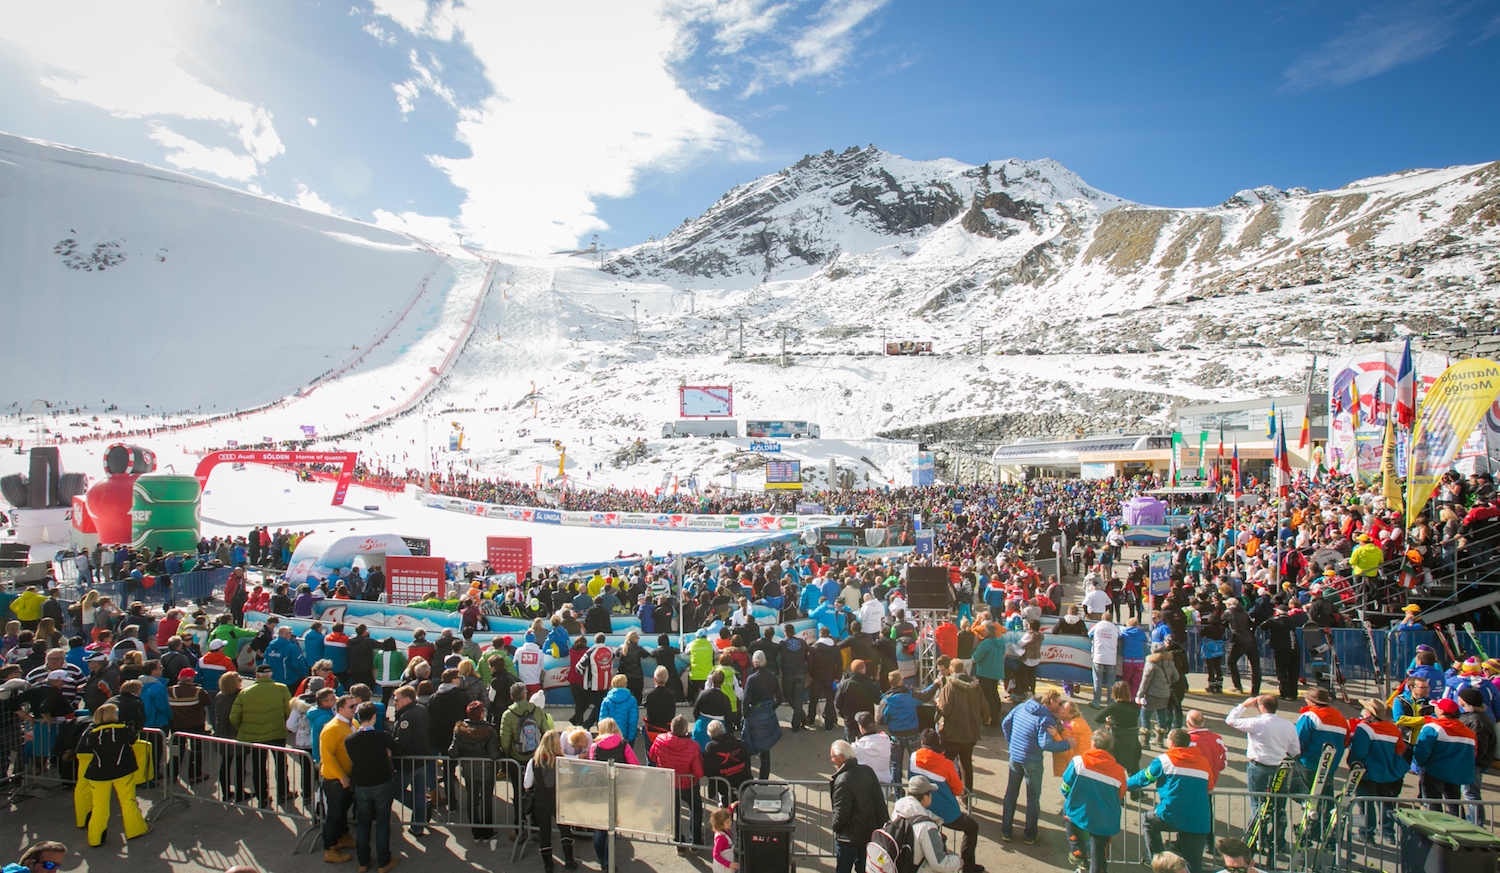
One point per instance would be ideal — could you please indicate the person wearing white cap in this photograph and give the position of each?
(929, 853)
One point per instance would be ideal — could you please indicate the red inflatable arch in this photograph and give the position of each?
(346, 473)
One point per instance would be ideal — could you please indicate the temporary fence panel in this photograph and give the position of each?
(480, 794)
(195, 586)
(1346, 848)
(263, 778)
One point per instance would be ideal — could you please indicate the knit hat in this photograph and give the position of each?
(1492, 665)
(1446, 706)
(1470, 667)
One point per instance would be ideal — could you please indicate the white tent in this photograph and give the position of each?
(319, 554)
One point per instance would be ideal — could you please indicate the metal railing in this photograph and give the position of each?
(1361, 839)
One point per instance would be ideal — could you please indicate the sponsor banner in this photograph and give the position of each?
(576, 519)
(508, 554)
(548, 516)
(636, 520)
(409, 579)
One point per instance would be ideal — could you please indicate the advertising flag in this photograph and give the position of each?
(1176, 454)
(1390, 488)
(1271, 422)
(1406, 389)
(1202, 454)
(1453, 407)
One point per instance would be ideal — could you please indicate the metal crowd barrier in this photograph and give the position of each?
(1347, 851)
(257, 777)
(480, 794)
(37, 757)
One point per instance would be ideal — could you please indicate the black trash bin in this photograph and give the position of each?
(765, 826)
(1435, 842)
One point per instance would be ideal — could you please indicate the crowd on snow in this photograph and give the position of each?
(1241, 573)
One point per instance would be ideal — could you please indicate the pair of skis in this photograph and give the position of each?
(1309, 829)
(1338, 817)
(1260, 834)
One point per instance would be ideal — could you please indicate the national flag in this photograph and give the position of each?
(1406, 389)
(1283, 462)
(1234, 472)
(1271, 423)
(1306, 434)
(1354, 402)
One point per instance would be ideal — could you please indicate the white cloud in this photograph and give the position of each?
(1379, 39)
(121, 58)
(189, 154)
(307, 198)
(563, 129)
(425, 79)
(313, 122)
(826, 46)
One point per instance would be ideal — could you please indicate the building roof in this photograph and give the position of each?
(1066, 451)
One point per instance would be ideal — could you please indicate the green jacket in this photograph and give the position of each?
(231, 636)
(510, 723)
(260, 711)
(701, 657)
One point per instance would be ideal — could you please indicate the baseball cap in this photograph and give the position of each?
(58, 676)
(1411, 607)
(918, 786)
(215, 645)
(99, 656)
(1447, 707)
(187, 673)
(263, 668)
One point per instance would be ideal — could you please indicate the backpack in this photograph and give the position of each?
(890, 849)
(528, 732)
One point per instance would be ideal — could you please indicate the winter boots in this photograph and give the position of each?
(567, 849)
(1145, 738)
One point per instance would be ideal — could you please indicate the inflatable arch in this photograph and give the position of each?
(346, 459)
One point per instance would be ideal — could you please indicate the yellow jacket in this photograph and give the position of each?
(335, 762)
(28, 606)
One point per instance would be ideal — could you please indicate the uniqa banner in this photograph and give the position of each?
(1452, 408)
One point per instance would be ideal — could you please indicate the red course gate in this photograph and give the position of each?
(346, 474)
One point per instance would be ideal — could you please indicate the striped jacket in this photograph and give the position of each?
(1380, 747)
(1317, 727)
(1445, 750)
(1093, 788)
(1183, 780)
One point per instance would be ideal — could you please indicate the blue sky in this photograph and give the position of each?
(533, 126)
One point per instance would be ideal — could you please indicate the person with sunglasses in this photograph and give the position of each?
(1236, 856)
(46, 855)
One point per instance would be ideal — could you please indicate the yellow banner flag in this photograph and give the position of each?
(1453, 407)
(1390, 488)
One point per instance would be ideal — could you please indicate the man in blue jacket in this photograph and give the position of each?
(285, 657)
(1444, 753)
(1183, 780)
(1030, 730)
(897, 710)
(312, 643)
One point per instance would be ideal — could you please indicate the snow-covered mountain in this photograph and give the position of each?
(1053, 308)
(1032, 253)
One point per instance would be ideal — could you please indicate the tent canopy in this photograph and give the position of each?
(319, 554)
(1144, 510)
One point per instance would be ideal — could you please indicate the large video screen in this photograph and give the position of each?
(783, 475)
(705, 401)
